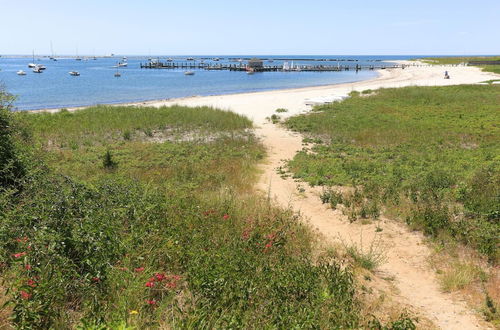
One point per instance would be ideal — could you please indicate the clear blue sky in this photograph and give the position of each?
(250, 27)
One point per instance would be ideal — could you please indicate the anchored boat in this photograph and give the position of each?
(74, 73)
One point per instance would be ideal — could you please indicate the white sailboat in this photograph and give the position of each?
(32, 64)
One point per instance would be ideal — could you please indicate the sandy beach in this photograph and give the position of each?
(258, 106)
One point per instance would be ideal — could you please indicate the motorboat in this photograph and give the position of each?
(21, 73)
(122, 64)
(74, 73)
(189, 73)
(37, 69)
(31, 65)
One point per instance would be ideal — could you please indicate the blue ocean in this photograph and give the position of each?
(55, 88)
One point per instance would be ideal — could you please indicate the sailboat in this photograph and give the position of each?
(52, 53)
(21, 73)
(32, 64)
(77, 57)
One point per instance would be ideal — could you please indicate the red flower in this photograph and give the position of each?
(19, 255)
(245, 235)
(22, 239)
(226, 216)
(27, 267)
(96, 279)
(31, 283)
(160, 277)
(25, 295)
(139, 269)
(268, 245)
(151, 302)
(150, 284)
(176, 277)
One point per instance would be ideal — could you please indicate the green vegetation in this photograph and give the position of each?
(124, 217)
(455, 60)
(428, 155)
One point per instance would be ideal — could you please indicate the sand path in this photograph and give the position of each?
(405, 253)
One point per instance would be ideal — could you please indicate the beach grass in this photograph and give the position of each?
(455, 60)
(103, 229)
(426, 155)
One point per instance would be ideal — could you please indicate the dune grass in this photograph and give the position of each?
(455, 60)
(428, 155)
(101, 230)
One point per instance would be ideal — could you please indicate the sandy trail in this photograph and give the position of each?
(406, 254)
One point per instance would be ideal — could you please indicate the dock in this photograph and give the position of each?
(265, 68)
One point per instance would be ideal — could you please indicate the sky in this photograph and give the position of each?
(272, 27)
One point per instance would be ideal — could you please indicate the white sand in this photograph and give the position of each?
(258, 106)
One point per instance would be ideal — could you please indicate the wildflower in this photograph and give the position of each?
(27, 267)
(139, 269)
(25, 295)
(268, 245)
(151, 302)
(22, 239)
(226, 216)
(171, 285)
(176, 277)
(245, 235)
(160, 277)
(133, 312)
(150, 284)
(19, 255)
(31, 283)
(95, 279)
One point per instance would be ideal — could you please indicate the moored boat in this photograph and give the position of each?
(21, 73)
(189, 73)
(74, 73)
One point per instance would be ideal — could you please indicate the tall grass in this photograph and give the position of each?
(428, 154)
(161, 239)
(465, 59)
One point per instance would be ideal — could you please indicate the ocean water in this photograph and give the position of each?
(55, 88)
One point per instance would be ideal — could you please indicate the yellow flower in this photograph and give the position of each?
(133, 312)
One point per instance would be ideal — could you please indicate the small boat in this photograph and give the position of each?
(31, 65)
(216, 59)
(169, 59)
(74, 73)
(36, 69)
(78, 59)
(189, 73)
(189, 59)
(122, 64)
(41, 67)
(21, 73)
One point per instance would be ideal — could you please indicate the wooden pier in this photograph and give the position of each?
(266, 68)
